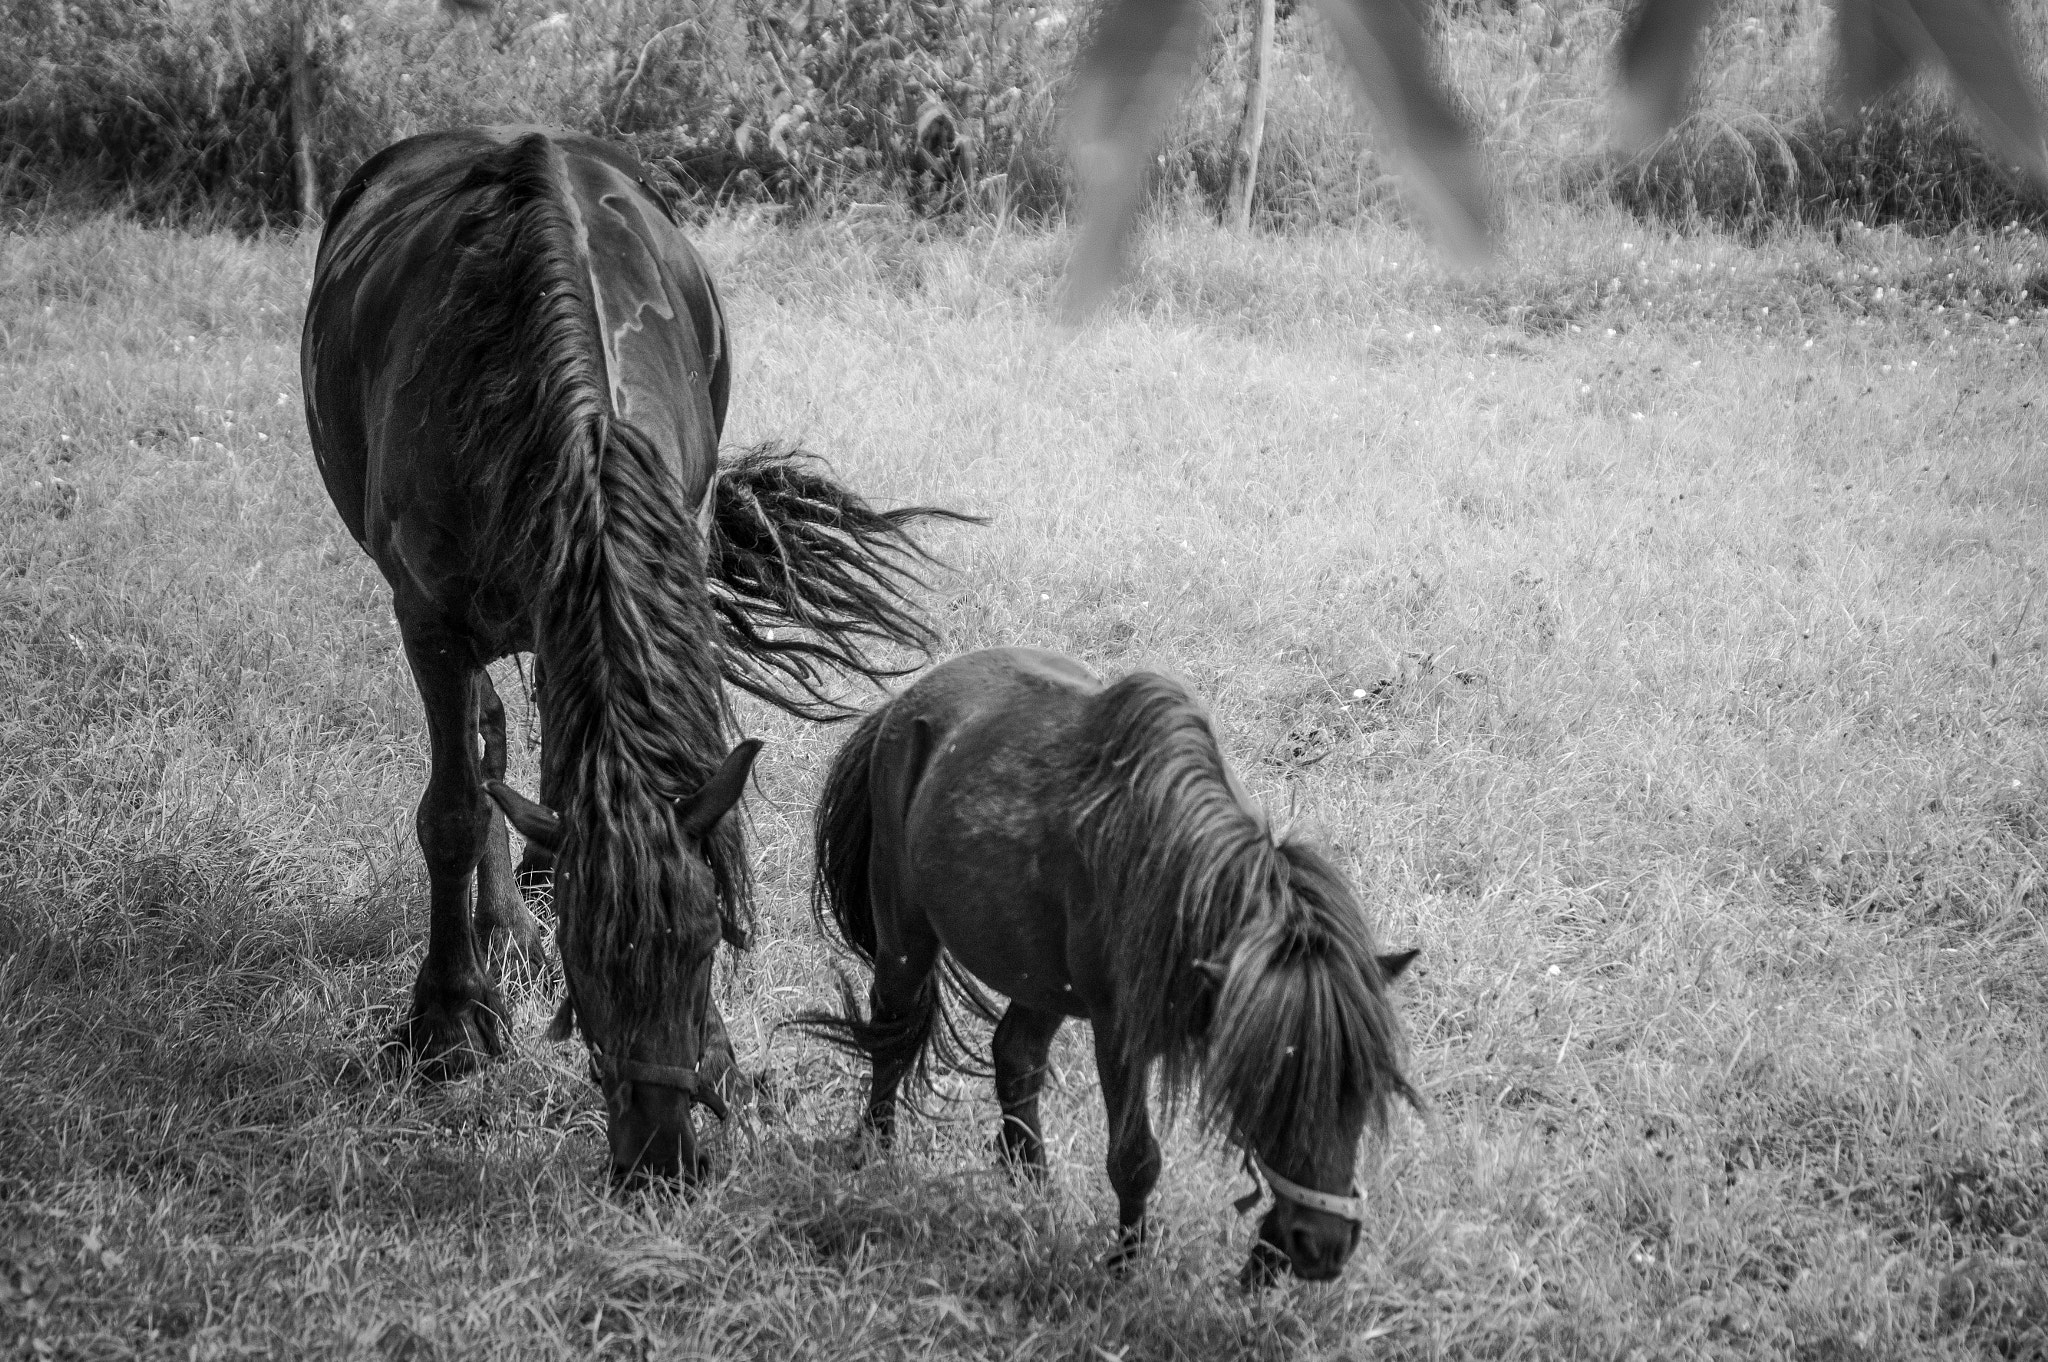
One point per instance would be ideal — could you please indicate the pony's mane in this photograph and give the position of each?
(585, 518)
(1301, 1032)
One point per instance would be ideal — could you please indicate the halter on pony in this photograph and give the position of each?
(1350, 1208)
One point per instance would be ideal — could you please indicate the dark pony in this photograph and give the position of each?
(1009, 822)
(516, 374)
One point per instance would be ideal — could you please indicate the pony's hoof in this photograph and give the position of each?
(1263, 1268)
(443, 1041)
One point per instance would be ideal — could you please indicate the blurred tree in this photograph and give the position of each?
(1140, 50)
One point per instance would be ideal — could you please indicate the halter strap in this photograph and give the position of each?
(686, 1081)
(1351, 1208)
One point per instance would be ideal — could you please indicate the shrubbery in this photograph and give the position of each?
(182, 109)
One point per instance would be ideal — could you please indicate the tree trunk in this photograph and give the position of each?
(1244, 169)
(302, 118)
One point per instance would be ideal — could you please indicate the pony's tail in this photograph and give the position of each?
(794, 548)
(926, 1036)
(840, 837)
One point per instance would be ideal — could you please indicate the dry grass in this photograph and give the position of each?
(1653, 627)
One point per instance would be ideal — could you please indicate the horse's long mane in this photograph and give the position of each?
(587, 525)
(1301, 1031)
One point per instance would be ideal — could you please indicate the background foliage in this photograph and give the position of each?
(180, 109)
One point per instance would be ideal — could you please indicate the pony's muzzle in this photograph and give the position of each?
(1314, 1245)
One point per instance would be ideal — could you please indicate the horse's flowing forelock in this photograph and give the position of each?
(586, 523)
(1302, 1031)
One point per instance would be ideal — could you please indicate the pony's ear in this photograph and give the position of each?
(699, 813)
(1391, 966)
(537, 823)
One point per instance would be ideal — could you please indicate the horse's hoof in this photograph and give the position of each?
(1020, 1155)
(444, 1041)
(520, 952)
(1130, 1243)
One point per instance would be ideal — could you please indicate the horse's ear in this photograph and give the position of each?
(699, 813)
(1391, 966)
(537, 823)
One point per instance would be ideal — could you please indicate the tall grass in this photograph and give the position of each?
(1652, 627)
(181, 109)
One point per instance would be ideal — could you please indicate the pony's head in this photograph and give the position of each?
(1303, 1056)
(642, 895)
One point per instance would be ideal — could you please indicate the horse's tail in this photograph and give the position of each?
(794, 548)
(843, 905)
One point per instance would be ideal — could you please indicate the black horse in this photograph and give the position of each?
(1084, 851)
(516, 372)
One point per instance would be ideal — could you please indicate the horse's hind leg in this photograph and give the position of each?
(457, 1017)
(1133, 1152)
(536, 869)
(501, 912)
(1023, 1038)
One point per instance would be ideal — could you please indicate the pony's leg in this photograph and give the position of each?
(501, 912)
(902, 1006)
(1133, 1153)
(1023, 1038)
(456, 1020)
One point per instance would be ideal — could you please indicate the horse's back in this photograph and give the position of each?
(387, 317)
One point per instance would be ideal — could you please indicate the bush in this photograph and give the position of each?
(181, 108)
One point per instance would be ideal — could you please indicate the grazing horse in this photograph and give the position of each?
(516, 372)
(1083, 850)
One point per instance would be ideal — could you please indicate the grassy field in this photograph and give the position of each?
(1653, 627)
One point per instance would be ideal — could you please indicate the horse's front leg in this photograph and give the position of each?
(716, 1062)
(1133, 1152)
(501, 911)
(457, 1018)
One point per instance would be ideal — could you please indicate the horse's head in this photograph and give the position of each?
(1303, 1056)
(639, 901)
